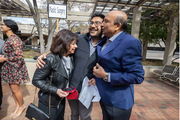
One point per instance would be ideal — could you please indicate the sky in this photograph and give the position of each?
(22, 20)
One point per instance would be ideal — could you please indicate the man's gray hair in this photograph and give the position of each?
(121, 19)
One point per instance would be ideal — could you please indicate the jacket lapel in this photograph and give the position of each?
(113, 44)
(99, 46)
(62, 70)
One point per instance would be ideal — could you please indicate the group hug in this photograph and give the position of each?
(107, 55)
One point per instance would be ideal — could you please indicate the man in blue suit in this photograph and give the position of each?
(118, 68)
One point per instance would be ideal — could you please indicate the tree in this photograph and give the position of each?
(36, 16)
(152, 30)
(51, 22)
(154, 27)
(171, 13)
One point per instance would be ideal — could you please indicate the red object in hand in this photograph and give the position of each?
(69, 90)
(73, 96)
(73, 93)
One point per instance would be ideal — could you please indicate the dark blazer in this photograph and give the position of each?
(83, 62)
(122, 59)
(41, 79)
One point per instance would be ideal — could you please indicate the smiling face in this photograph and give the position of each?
(95, 27)
(72, 47)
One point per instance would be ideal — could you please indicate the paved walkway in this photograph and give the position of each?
(154, 100)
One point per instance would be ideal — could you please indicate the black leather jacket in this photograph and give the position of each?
(41, 79)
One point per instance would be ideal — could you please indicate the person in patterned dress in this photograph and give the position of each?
(14, 70)
(1, 53)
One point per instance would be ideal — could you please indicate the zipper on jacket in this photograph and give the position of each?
(42, 93)
(59, 103)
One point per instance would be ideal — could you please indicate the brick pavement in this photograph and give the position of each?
(154, 100)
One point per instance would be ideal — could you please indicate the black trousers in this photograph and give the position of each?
(113, 113)
(1, 93)
(56, 113)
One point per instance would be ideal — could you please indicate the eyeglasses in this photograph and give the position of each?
(2, 24)
(96, 23)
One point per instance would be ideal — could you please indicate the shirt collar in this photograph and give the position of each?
(91, 41)
(66, 61)
(115, 36)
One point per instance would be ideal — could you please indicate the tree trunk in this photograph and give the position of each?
(39, 27)
(170, 41)
(50, 36)
(144, 52)
(36, 17)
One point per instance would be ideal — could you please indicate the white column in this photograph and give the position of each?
(136, 22)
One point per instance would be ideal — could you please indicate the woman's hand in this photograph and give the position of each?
(62, 93)
(2, 58)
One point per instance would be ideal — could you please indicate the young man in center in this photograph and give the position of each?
(85, 59)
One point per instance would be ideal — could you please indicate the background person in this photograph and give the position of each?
(118, 68)
(1, 53)
(14, 70)
(63, 45)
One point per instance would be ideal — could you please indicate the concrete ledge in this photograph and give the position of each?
(30, 60)
(31, 66)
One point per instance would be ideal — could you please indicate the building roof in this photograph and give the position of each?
(17, 8)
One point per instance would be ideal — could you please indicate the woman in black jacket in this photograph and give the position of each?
(60, 61)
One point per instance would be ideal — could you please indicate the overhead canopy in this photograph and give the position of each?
(17, 8)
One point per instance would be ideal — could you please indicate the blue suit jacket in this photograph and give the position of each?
(122, 59)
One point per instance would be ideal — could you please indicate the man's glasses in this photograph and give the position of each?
(96, 23)
(2, 24)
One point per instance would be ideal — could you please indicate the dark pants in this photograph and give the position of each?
(56, 114)
(113, 113)
(1, 93)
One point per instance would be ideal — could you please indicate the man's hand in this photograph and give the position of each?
(62, 93)
(92, 82)
(40, 63)
(98, 71)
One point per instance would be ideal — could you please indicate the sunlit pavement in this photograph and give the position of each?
(154, 100)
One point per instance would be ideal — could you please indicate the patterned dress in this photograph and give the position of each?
(14, 70)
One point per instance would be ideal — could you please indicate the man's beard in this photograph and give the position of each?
(97, 34)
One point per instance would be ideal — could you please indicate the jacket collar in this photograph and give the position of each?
(111, 46)
(59, 67)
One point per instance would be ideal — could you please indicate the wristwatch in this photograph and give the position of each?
(106, 77)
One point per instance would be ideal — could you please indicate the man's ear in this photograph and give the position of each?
(118, 26)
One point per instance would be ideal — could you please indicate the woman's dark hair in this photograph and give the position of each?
(61, 42)
(12, 25)
(97, 14)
